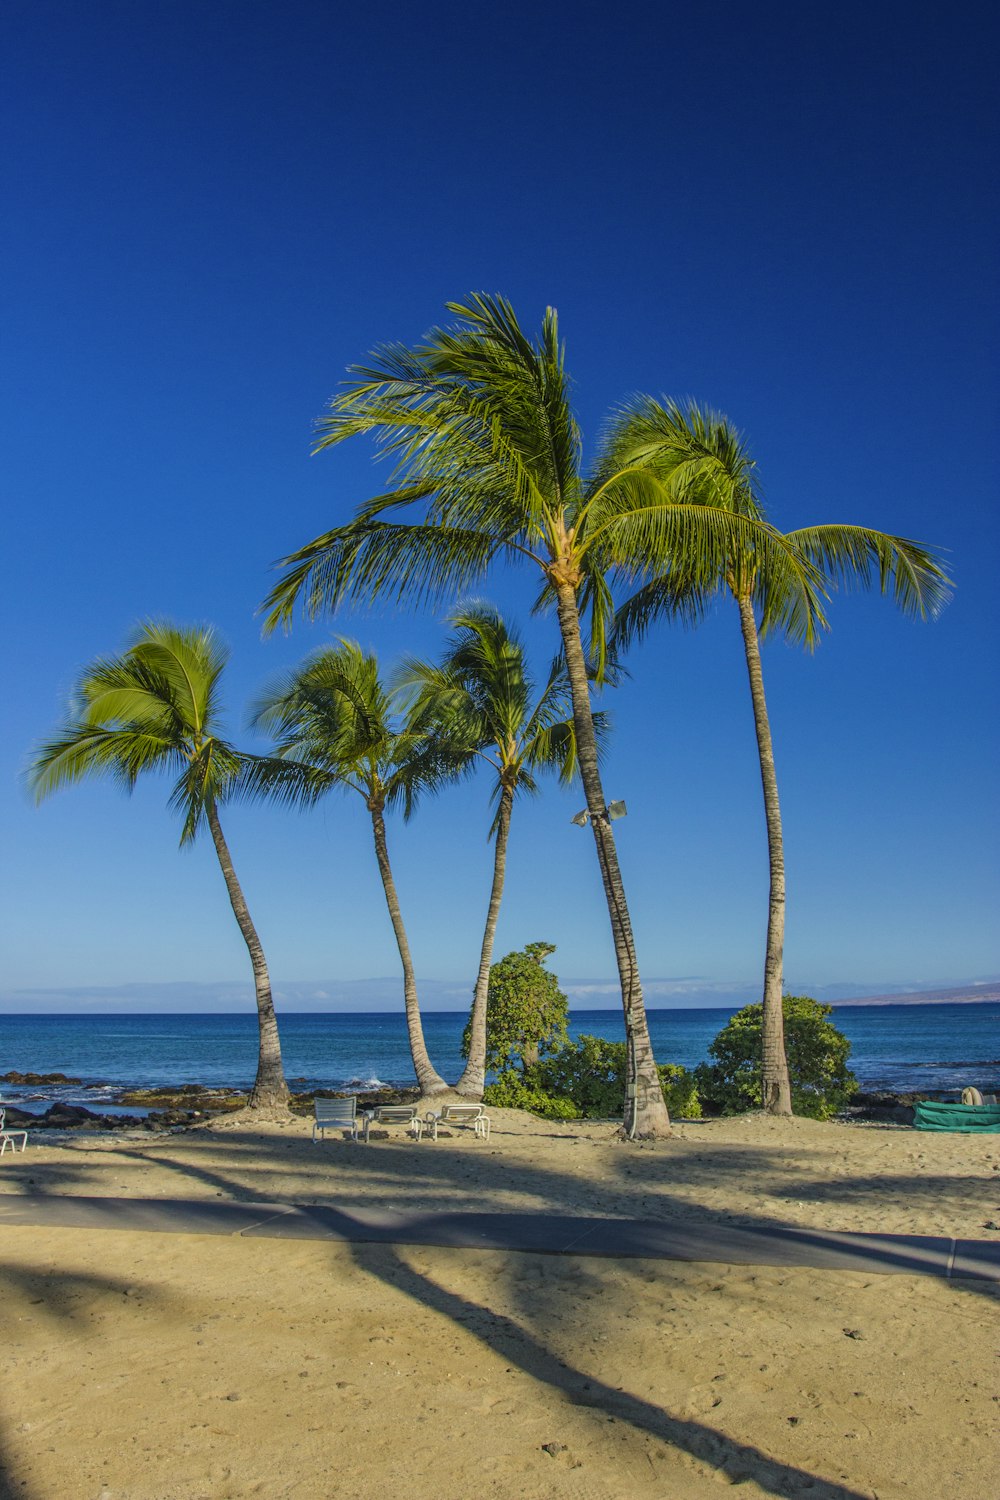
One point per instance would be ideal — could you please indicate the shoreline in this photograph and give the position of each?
(188, 1105)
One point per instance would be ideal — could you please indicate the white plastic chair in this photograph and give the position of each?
(9, 1137)
(459, 1114)
(335, 1114)
(394, 1114)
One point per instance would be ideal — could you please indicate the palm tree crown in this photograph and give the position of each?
(480, 702)
(155, 708)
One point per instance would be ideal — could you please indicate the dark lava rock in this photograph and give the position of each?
(185, 1097)
(76, 1117)
(36, 1078)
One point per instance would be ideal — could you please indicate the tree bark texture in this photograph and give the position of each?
(776, 1094)
(270, 1091)
(645, 1108)
(429, 1080)
(473, 1079)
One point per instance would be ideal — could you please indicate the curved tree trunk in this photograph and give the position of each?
(473, 1080)
(428, 1078)
(645, 1108)
(270, 1091)
(776, 1095)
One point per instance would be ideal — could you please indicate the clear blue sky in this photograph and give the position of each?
(781, 210)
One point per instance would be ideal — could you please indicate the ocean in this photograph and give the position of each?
(894, 1047)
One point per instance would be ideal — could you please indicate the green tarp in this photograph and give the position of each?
(967, 1119)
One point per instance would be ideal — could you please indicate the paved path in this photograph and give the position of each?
(546, 1234)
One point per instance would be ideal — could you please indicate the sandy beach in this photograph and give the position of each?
(176, 1366)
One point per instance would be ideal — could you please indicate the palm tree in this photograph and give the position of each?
(333, 721)
(486, 446)
(156, 708)
(701, 456)
(480, 697)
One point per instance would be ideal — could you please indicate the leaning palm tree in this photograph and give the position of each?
(156, 708)
(702, 457)
(487, 452)
(333, 721)
(481, 702)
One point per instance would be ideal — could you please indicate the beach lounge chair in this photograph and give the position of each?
(461, 1115)
(335, 1114)
(11, 1137)
(394, 1114)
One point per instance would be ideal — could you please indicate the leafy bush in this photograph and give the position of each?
(526, 1011)
(591, 1073)
(817, 1054)
(509, 1091)
(680, 1091)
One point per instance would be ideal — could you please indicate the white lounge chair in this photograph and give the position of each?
(394, 1114)
(335, 1114)
(10, 1137)
(459, 1114)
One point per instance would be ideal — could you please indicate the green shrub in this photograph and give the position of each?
(526, 1010)
(817, 1052)
(680, 1091)
(591, 1073)
(509, 1091)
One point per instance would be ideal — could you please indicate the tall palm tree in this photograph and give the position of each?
(487, 450)
(701, 456)
(333, 719)
(480, 700)
(156, 708)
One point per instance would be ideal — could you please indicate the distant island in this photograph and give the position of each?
(966, 994)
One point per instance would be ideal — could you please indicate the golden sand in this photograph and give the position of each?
(176, 1367)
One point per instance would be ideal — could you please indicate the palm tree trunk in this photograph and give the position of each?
(270, 1091)
(645, 1108)
(776, 1095)
(473, 1080)
(428, 1078)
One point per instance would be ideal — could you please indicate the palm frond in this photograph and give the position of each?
(122, 753)
(289, 783)
(857, 555)
(694, 449)
(368, 560)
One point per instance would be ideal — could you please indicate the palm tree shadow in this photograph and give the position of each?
(520, 1347)
(59, 1291)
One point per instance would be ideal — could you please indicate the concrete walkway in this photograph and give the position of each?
(545, 1234)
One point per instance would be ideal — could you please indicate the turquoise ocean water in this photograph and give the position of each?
(895, 1047)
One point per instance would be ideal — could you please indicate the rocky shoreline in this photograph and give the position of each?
(169, 1107)
(177, 1106)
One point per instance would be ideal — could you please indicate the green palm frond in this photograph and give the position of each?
(289, 783)
(478, 424)
(860, 556)
(154, 708)
(206, 780)
(123, 753)
(657, 600)
(335, 726)
(369, 560)
(699, 547)
(479, 702)
(695, 449)
(703, 461)
(332, 698)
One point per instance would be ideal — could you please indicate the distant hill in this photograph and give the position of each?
(965, 994)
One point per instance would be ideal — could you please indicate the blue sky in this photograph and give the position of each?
(781, 210)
